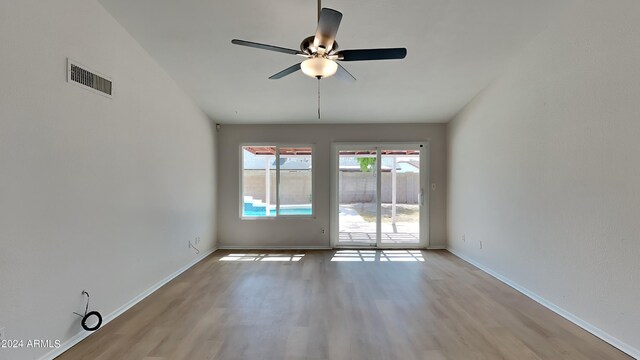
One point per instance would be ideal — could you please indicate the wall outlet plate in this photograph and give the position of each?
(464, 238)
(480, 244)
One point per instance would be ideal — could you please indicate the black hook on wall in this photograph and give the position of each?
(88, 314)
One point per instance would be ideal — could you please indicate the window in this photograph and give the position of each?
(276, 181)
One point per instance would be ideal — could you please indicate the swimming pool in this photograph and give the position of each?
(251, 210)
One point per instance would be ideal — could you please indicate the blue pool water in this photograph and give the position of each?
(250, 210)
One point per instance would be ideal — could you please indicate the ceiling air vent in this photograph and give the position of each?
(91, 80)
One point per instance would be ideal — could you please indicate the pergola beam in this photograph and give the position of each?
(382, 152)
(271, 150)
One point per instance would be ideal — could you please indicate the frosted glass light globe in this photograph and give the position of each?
(319, 67)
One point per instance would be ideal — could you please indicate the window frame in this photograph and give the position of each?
(277, 145)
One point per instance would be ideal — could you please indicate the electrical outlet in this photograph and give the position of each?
(323, 230)
(3, 334)
(433, 187)
(198, 240)
(464, 239)
(480, 244)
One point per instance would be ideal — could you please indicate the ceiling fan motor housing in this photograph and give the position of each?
(307, 47)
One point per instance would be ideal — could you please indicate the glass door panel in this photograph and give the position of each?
(400, 196)
(357, 196)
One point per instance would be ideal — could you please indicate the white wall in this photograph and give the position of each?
(95, 194)
(232, 231)
(544, 169)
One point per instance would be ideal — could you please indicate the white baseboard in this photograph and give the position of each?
(274, 248)
(437, 247)
(83, 334)
(626, 348)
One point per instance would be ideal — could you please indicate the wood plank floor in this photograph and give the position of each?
(368, 305)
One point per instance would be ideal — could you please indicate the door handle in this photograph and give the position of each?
(421, 197)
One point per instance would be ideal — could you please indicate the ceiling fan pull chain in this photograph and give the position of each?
(318, 98)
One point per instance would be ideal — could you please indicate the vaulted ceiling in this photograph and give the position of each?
(455, 49)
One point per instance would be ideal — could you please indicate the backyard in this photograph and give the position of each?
(358, 223)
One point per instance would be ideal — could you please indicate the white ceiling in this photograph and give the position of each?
(455, 49)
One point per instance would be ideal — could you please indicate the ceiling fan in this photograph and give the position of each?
(322, 54)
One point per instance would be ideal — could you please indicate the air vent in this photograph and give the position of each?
(91, 80)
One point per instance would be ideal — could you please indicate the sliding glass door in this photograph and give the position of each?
(401, 196)
(379, 195)
(357, 195)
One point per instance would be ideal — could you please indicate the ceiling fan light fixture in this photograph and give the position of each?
(319, 67)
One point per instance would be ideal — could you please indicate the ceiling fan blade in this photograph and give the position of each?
(266, 47)
(328, 25)
(285, 72)
(343, 74)
(372, 54)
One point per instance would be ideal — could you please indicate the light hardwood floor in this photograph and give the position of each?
(434, 307)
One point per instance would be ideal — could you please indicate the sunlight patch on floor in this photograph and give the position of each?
(380, 256)
(262, 257)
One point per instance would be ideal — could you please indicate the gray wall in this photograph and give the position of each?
(233, 231)
(95, 193)
(544, 169)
